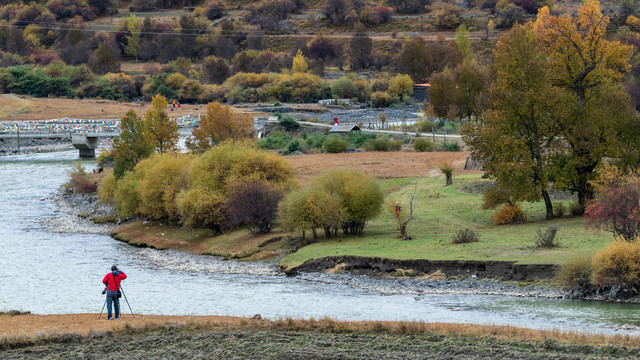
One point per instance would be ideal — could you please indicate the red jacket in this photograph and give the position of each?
(110, 277)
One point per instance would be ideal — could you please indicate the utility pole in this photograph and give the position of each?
(18, 132)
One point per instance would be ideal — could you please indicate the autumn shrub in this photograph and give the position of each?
(380, 99)
(211, 93)
(576, 209)
(422, 145)
(509, 214)
(616, 207)
(617, 264)
(344, 88)
(401, 85)
(360, 196)
(465, 236)
(559, 210)
(547, 238)
(215, 9)
(107, 188)
(335, 144)
(576, 272)
(80, 182)
(311, 209)
(395, 145)
(253, 203)
(446, 167)
(123, 84)
(199, 208)
(448, 17)
(220, 167)
(126, 197)
(190, 91)
(175, 80)
(165, 176)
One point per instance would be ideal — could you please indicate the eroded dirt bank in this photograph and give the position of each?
(82, 336)
(506, 270)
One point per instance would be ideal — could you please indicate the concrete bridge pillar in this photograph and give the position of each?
(86, 143)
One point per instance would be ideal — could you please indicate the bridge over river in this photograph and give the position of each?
(85, 134)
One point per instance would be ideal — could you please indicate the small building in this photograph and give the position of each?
(343, 129)
(421, 92)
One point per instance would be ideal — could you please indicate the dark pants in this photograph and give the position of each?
(112, 297)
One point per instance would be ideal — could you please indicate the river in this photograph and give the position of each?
(54, 273)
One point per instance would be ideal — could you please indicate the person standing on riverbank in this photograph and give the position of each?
(112, 282)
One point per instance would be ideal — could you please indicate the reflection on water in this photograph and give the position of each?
(46, 273)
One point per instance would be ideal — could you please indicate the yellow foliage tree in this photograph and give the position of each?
(219, 124)
(299, 63)
(401, 85)
(162, 130)
(165, 176)
(588, 69)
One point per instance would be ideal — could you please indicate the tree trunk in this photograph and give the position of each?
(449, 179)
(547, 204)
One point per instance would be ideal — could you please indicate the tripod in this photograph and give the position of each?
(125, 299)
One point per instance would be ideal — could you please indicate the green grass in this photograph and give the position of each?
(441, 211)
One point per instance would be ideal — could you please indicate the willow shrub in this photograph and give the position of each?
(360, 196)
(575, 272)
(200, 208)
(617, 264)
(165, 176)
(221, 167)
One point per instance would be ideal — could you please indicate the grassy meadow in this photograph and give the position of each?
(439, 212)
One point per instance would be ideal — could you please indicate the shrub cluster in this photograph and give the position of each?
(338, 199)
(207, 190)
(547, 239)
(509, 214)
(465, 236)
(80, 182)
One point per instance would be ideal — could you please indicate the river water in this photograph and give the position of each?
(52, 273)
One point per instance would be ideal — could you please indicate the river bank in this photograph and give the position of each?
(10, 146)
(73, 219)
(83, 336)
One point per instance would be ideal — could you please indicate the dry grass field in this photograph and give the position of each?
(26, 328)
(19, 107)
(381, 165)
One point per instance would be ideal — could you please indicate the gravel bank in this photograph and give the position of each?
(28, 146)
(264, 344)
(69, 209)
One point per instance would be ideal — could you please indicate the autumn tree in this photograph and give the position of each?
(359, 51)
(588, 68)
(254, 204)
(132, 47)
(299, 63)
(408, 6)
(162, 130)
(616, 206)
(519, 133)
(220, 123)
(105, 59)
(133, 144)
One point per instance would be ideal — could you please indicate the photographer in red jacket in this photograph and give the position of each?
(112, 283)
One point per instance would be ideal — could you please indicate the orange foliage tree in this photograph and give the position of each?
(220, 123)
(616, 206)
